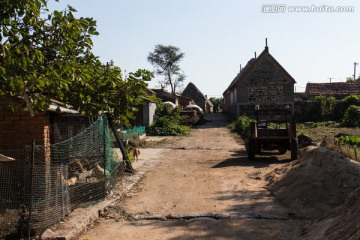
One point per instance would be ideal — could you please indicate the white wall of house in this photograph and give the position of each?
(149, 113)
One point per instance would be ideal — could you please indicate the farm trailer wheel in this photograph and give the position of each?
(251, 149)
(294, 149)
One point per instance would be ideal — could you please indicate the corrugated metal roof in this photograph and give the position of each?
(55, 107)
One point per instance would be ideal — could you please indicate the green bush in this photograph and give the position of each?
(242, 126)
(166, 110)
(325, 105)
(350, 140)
(167, 122)
(352, 117)
(344, 104)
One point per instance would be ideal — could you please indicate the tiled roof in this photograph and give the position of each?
(242, 73)
(161, 93)
(251, 65)
(336, 88)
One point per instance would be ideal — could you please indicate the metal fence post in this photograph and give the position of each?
(31, 186)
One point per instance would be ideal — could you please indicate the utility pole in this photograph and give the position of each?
(355, 63)
(330, 79)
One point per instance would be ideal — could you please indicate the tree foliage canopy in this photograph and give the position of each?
(165, 60)
(48, 55)
(351, 79)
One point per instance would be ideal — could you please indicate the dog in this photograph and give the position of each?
(135, 153)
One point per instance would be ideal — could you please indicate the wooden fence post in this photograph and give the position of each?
(121, 145)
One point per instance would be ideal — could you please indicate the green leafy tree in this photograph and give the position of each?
(42, 52)
(165, 60)
(48, 55)
(217, 103)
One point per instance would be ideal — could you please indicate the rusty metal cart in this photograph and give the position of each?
(263, 137)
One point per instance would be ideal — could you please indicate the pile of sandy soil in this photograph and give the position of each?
(322, 186)
(342, 223)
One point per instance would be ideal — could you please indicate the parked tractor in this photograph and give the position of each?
(274, 132)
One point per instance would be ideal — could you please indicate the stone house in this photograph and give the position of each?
(191, 91)
(264, 82)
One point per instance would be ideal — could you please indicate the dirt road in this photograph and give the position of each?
(202, 187)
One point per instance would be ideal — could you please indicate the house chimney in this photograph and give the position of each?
(266, 46)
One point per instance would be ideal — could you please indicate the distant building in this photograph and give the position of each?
(165, 95)
(191, 91)
(184, 101)
(146, 113)
(337, 89)
(264, 82)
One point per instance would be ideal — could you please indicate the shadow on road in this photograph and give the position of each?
(213, 120)
(240, 159)
(205, 229)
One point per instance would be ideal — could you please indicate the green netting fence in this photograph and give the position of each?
(133, 132)
(44, 183)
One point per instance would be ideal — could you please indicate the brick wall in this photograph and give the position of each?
(19, 128)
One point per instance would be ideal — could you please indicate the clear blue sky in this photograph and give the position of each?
(219, 35)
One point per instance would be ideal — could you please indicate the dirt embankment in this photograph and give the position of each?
(322, 186)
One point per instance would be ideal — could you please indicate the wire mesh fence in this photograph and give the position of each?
(42, 184)
(11, 192)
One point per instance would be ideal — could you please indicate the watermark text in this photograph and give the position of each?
(283, 8)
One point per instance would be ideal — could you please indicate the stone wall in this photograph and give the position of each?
(264, 94)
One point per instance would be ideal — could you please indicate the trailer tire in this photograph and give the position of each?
(294, 149)
(282, 150)
(251, 149)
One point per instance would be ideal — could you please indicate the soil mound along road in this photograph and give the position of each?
(322, 186)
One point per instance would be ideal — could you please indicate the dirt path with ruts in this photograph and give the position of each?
(201, 186)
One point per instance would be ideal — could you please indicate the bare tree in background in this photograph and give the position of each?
(165, 60)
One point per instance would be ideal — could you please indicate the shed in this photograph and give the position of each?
(146, 113)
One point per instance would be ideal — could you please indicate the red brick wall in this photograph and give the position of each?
(19, 128)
